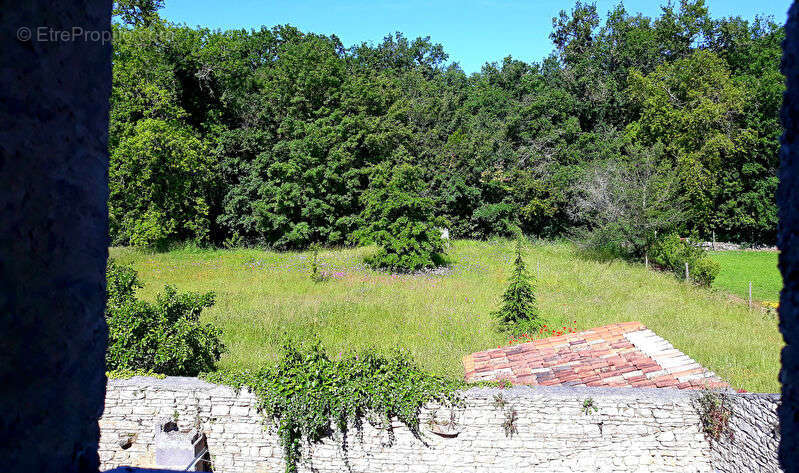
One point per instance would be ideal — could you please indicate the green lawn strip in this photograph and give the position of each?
(738, 268)
(263, 296)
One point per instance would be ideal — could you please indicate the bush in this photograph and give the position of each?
(672, 252)
(121, 285)
(164, 337)
(605, 243)
(704, 271)
(400, 218)
(495, 219)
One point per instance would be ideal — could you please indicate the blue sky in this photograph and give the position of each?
(472, 31)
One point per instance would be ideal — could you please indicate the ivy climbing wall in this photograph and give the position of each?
(552, 429)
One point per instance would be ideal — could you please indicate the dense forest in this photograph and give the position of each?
(278, 137)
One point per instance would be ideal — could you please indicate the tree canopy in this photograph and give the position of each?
(272, 136)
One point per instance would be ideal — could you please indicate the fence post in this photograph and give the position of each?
(646, 260)
(687, 275)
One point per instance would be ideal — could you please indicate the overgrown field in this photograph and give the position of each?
(263, 296)
(738, 268)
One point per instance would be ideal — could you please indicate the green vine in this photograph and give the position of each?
(307, 393)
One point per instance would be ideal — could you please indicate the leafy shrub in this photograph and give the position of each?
(164, 337)
(672, 253)
(307, 392)
(519, 312)
(704, 270)
(605, 243)
(121, 284)
(400, 218)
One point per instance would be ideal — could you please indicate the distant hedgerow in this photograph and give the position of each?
(674, 253)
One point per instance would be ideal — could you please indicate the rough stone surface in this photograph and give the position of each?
(53, 237)
(727, 246)
(753, 435)
(633, 430)
(788, 242)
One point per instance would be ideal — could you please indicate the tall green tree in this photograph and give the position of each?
(137, 12)
(692, 106)
(159, 178)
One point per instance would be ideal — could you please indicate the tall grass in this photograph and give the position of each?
(263, 296)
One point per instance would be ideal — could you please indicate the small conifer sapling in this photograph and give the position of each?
(519, 311)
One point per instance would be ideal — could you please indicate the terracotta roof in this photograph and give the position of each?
(620, 355)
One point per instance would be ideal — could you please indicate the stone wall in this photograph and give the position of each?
(753, 437)
(655, 430)
(728, 246)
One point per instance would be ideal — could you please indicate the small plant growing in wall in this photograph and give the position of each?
(445, 427)
(715, 414)
(509, 424)
(511, 416)
(499, 401)
(431, 421)
(589, 406)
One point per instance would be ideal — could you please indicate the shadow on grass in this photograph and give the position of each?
(602, 254)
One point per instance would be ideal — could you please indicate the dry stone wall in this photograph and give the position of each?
(632, 430)
(751, 442)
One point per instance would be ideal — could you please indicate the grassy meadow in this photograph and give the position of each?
(262, 296)
(740, 267)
